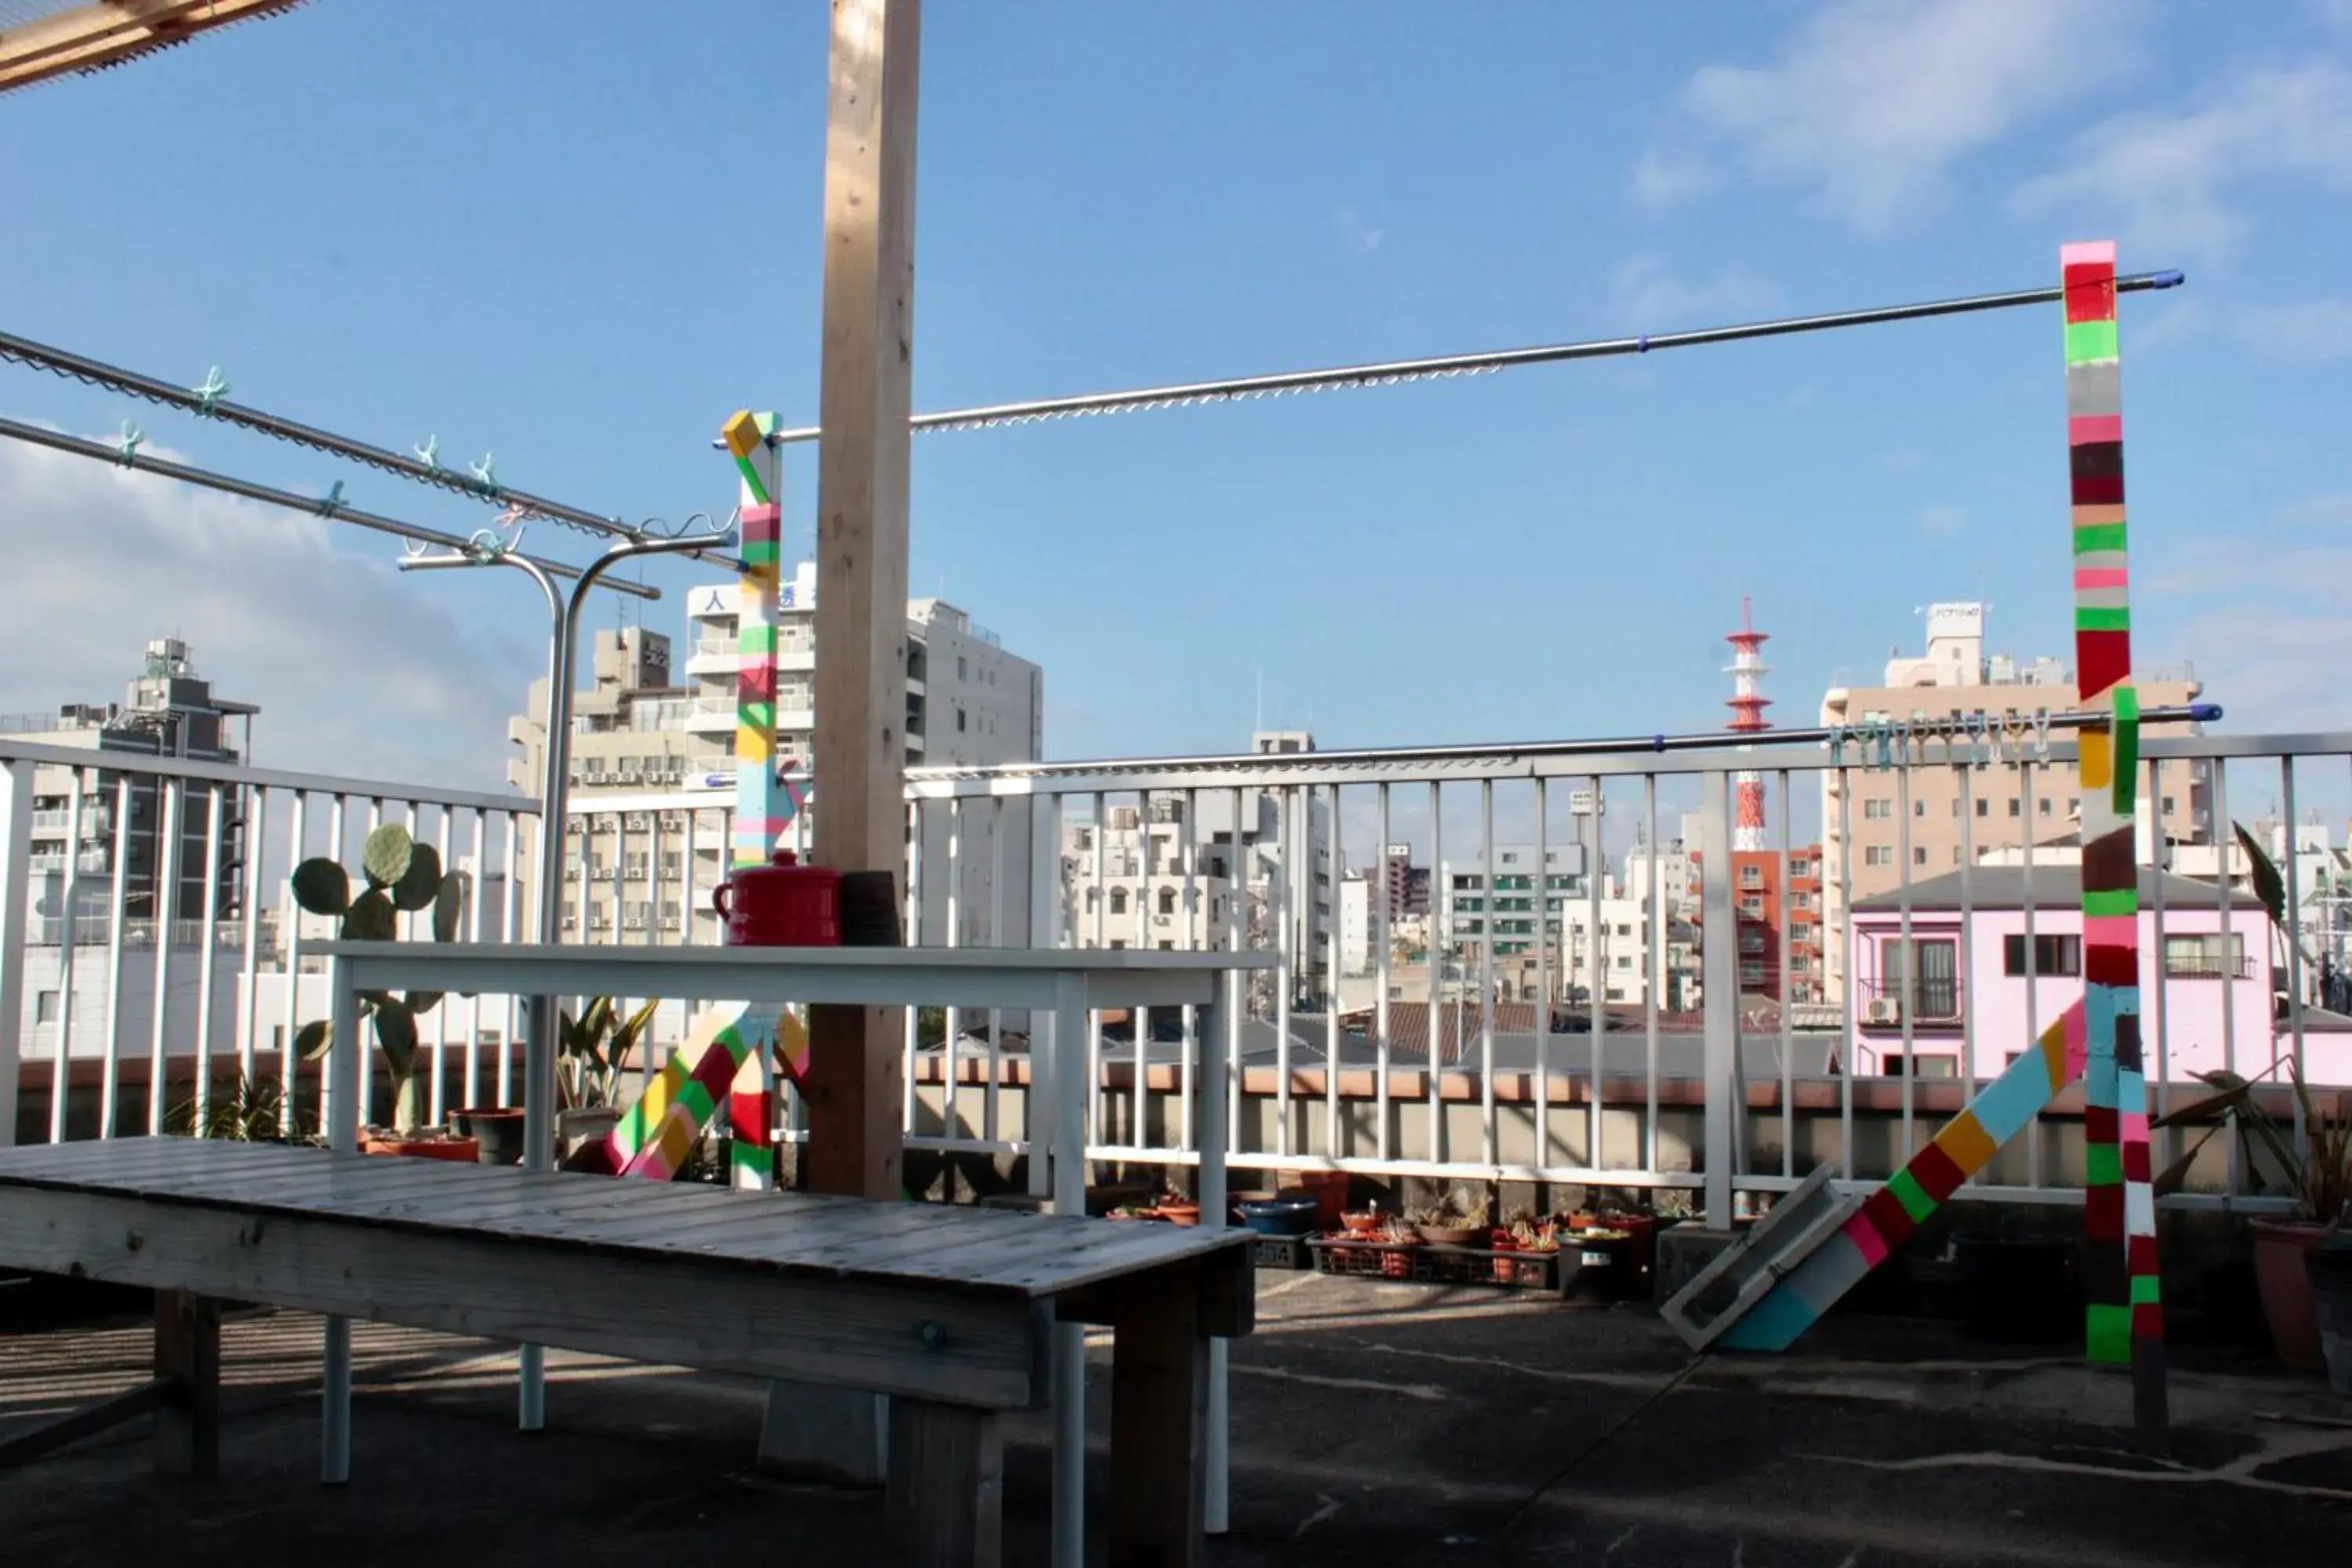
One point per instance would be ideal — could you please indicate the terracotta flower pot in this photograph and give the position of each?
(2280, 1247)
(1363, 1224)
(1180, 1214)
(441, 1146)
(1507, 1268)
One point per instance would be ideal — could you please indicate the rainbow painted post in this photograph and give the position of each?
(2097, 1039)
(2126, 1316)
(719, 1065)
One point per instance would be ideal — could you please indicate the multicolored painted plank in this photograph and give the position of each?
(2098, 1039)
(2120, 1276)
(1966, 1146)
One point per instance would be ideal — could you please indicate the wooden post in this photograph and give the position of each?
(855, 1071)
(855, 1075)
(187, 1371)
(1159, 1422)
(946, 1500)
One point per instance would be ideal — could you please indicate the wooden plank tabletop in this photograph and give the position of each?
(992, 1251)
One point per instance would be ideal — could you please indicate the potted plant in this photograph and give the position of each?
(403, 877)
(590, 1052)
(2318, 1178)
(2330, 1265)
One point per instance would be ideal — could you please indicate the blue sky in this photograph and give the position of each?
(580, 235)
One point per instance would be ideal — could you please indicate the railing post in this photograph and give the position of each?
(1719, 939)
(15, 897)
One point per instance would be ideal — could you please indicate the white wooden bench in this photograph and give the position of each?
(947, 1309)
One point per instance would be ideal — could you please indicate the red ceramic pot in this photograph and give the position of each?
(781, 904)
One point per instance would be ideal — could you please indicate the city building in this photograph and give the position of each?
(1769, 917)
(1403, 885)
(1472, 912)
(169, 711)
(1884, 825)
(653, 744)
(1125, 880)
(1358, 931)
(1960, 982)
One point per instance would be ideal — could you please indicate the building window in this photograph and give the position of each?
(1984, 807)
(2015, 809)
(1918, 855)
(1877, 854)
(1752, 974)
(1926, 978)
(1956, 854)
(1919, 808)
(45, 1007)
(1751, 941)
(1878, 810)
(1119, 901)
(2074, 805)
(2058, 955)
(2167, 806)
(1751, 906)
(1751, 876)
(1118, 941)
(1167, 902)
(2214, 956)
(960, 726)
(960, 669)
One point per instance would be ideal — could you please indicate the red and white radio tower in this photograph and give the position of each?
(1748, 702)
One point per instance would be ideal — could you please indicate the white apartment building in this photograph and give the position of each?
(1471, 912)
(653, 764)
(1357, 932)
(1865, 830)
(1125, 880)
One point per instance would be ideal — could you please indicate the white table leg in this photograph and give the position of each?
(346, 1054)
(1069, 1111)
(1211, 1022)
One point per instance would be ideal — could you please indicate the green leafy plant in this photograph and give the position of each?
(591, 1048)
(248, 1112)
(2319, 1178)
(401, 877)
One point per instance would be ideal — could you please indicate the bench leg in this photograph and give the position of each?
(335, 1405)
(1158, 1424)
(187, 1371)
(945, 1499)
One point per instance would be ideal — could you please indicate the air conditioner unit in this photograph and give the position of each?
(1881, 1010)
(633, 923)
(638, 821)
(673, 819)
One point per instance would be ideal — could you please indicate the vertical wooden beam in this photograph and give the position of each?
(946, 1498)
(187, 1368)
(1159, 1422)
(855, 1071)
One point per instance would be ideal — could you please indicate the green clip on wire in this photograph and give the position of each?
(429, 453)
(334, 502)
(129, 449)
(486, 476)
(214, 388)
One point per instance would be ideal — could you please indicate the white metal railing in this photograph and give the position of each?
(119, 1032)
(1625, 1060)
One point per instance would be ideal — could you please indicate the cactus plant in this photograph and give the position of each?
(401, 877)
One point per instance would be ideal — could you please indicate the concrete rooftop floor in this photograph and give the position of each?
(1375, 1424)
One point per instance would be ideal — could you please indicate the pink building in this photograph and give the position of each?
(1963, 981)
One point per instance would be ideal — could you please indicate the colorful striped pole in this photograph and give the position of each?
(2125, 1317)
(720, 1069)
(2097, 1039)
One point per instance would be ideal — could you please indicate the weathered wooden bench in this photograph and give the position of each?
(947, 1309)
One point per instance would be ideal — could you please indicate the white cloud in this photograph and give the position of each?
(359, 671)
(2272, 669)
(2177, 181)
(1355, 232)
(1650, 297)
(1871, 103)
(2304, 330)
